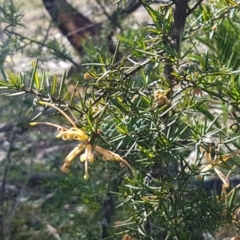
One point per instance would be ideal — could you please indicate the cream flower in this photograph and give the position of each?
(215, 161)
(79, 134)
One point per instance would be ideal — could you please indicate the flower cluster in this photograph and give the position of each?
(85, 148)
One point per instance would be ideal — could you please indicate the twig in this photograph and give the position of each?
(190, 10)
(82, 29)
(45, 45)
(212, 20)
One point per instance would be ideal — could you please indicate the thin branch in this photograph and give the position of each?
(83, 29)
(45, 45)
(132, 8)
(212, 20)
(103, 9)
(46, 98)
(190, 10)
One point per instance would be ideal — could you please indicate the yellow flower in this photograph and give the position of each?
(79, 134)
(77, 150)
(87, 156)
(72, 134)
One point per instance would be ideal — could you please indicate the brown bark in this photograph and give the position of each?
(181, 11)
(74, 25)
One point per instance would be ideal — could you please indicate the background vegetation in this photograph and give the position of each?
(158, 87)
